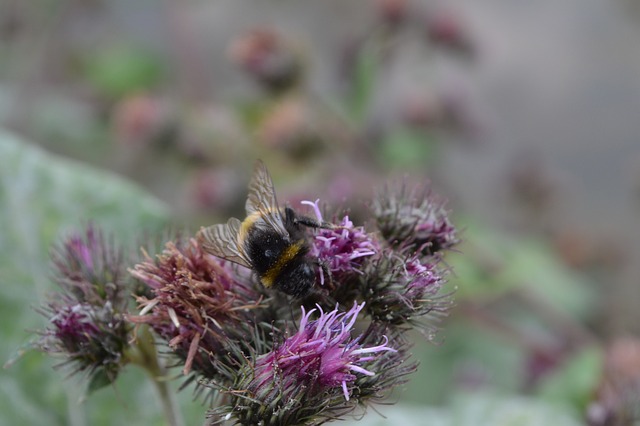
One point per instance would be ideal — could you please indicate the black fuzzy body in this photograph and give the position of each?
(280, 261)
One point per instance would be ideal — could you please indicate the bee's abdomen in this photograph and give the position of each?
(270, 253)
(285, 259)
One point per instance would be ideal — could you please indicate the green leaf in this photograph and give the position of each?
(493, 262)
(465, 350)
(120, 70)
(482, 256)
(574, 383)
(43, 197)
(98, 380)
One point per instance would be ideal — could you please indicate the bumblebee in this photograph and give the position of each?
(271, 241)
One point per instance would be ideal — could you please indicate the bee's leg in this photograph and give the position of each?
(291, 216)
(312, 223)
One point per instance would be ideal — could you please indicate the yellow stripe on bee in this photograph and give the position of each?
(246, 225)
(287, 255)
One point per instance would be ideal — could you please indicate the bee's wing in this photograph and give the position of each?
(222, 241)
(262, 199)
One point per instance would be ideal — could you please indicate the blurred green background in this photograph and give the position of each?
(141, 116)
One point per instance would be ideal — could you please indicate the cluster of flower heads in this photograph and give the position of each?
(260, 356)
(399, 277)
(354, 351)
(87, 327)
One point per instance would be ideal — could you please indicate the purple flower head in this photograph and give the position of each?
(342, 249)
(313, 370)
(91, 269)
(86, 326)
(91, 338)
(420, 279)
(88, 338)
(74, 327)
(80, 251)
(414, 218)
(404, 291)
(197, 303)
(321, 350)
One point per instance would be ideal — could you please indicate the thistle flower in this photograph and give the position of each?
(308, 377)
(215, 316)
(86, 320)
(416, 219)
(199, 303)
(92, 339)
(403, 291)
(91, 270)
(269, 58)
(342, 249)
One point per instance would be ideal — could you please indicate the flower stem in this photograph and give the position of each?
(167, 399)
(144, 355)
